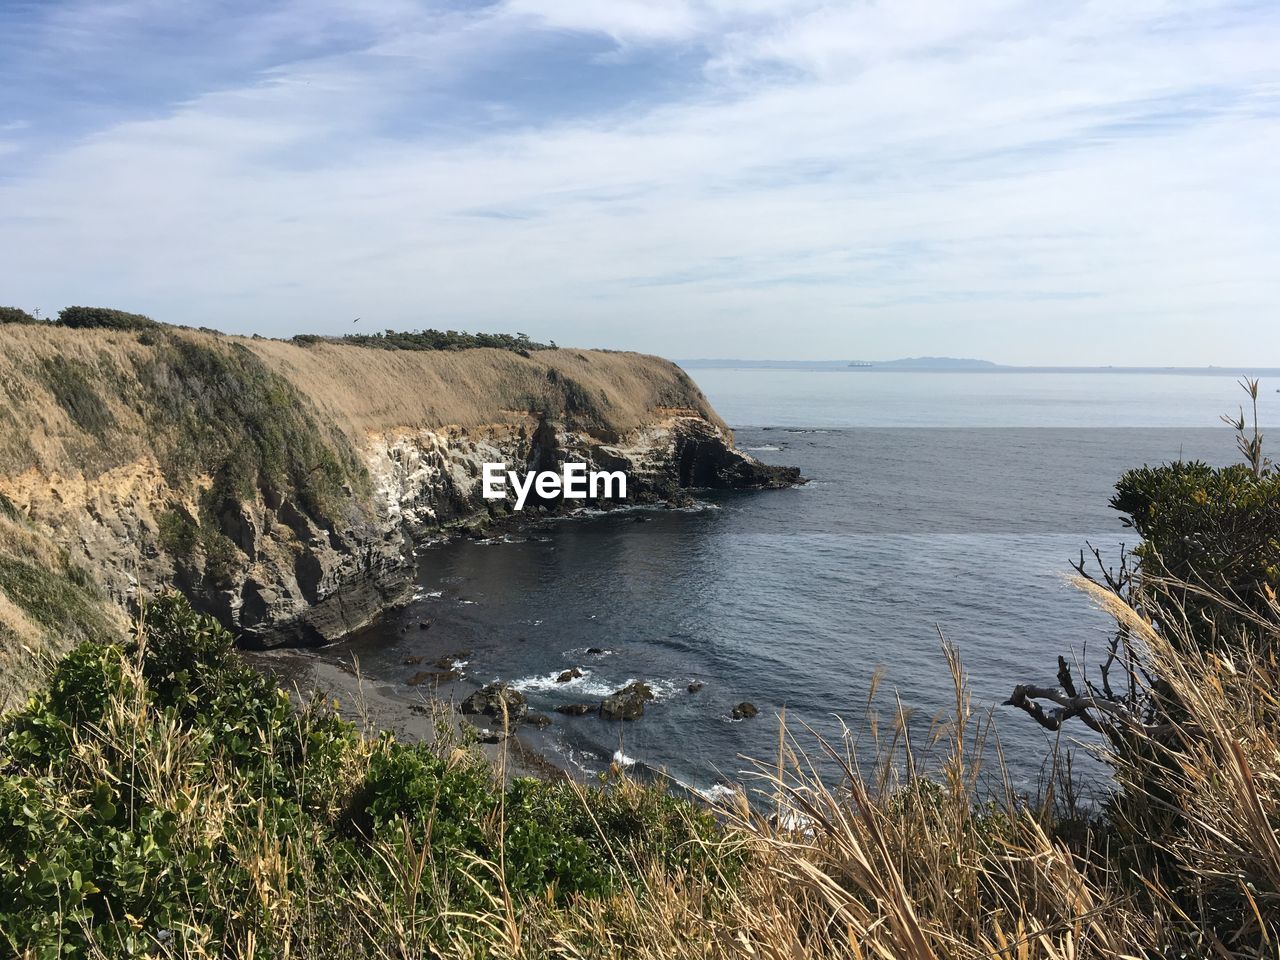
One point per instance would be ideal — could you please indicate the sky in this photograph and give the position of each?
(1015, 180)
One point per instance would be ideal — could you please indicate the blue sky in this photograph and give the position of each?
(1077, 182)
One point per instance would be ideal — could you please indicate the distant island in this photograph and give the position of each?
(954, 365)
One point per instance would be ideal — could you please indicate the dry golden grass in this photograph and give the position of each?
(42, 613)
(380, 390)
(362, 389)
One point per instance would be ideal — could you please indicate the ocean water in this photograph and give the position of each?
(939, 505)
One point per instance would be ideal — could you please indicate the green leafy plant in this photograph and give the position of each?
(82, 318)
(16, 315)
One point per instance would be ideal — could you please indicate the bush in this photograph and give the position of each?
(16, 315)
(431, 340)
(1207, 532)
(164, 796)
(104, 317)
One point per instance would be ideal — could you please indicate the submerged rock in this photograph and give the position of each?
(744, 711)
(434, 677)
(576, 709)
(537, 720)
(451, 660)
(573, 673)
(696, 686)
(596, 651)
(627, 703)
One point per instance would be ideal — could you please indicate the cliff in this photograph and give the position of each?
(280, 486)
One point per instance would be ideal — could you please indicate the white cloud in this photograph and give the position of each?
(1038, 184)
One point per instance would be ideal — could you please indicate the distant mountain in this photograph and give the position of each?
(937, 363)
(959, 365)
(908, 363)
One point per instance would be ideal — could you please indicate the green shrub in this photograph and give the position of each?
(104, 317)
(1205, 530)
(152, 786)
(177, 533)
(431, 340)
(16, 315)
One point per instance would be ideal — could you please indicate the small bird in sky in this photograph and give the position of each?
(356, 320)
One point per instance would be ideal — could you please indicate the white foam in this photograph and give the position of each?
(622, 760)
(589, 685)
(766, 447)
(716, 793)
(421, 594)
(543, 683)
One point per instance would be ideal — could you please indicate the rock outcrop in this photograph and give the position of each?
(627, 703)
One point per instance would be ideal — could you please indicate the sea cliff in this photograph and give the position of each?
(281, 486)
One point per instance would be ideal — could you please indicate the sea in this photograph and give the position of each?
(941, 507)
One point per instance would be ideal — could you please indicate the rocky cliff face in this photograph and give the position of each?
(283, 487)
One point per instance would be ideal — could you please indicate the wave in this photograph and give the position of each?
(594, 686)
(622, 760)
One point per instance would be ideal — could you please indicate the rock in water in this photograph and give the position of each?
(573, 673)
(744, 711)
(537, 720)
(575, 709)
(627, 703)
(436, 677)
(696, 686)
(490, 700)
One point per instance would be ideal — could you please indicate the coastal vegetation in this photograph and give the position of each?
(108, 318)
(16, 315)
(432, 340)
(160, 798)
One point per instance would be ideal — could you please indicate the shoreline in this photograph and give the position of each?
(411, 713)
(375, 706)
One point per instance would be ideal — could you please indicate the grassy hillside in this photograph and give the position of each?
(371, 389)
(90, 399)
(47, 606)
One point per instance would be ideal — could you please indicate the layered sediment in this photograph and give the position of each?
(282, 487)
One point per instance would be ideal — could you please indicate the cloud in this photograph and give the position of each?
(1059, 184)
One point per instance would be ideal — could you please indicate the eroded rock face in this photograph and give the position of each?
(285, 579)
